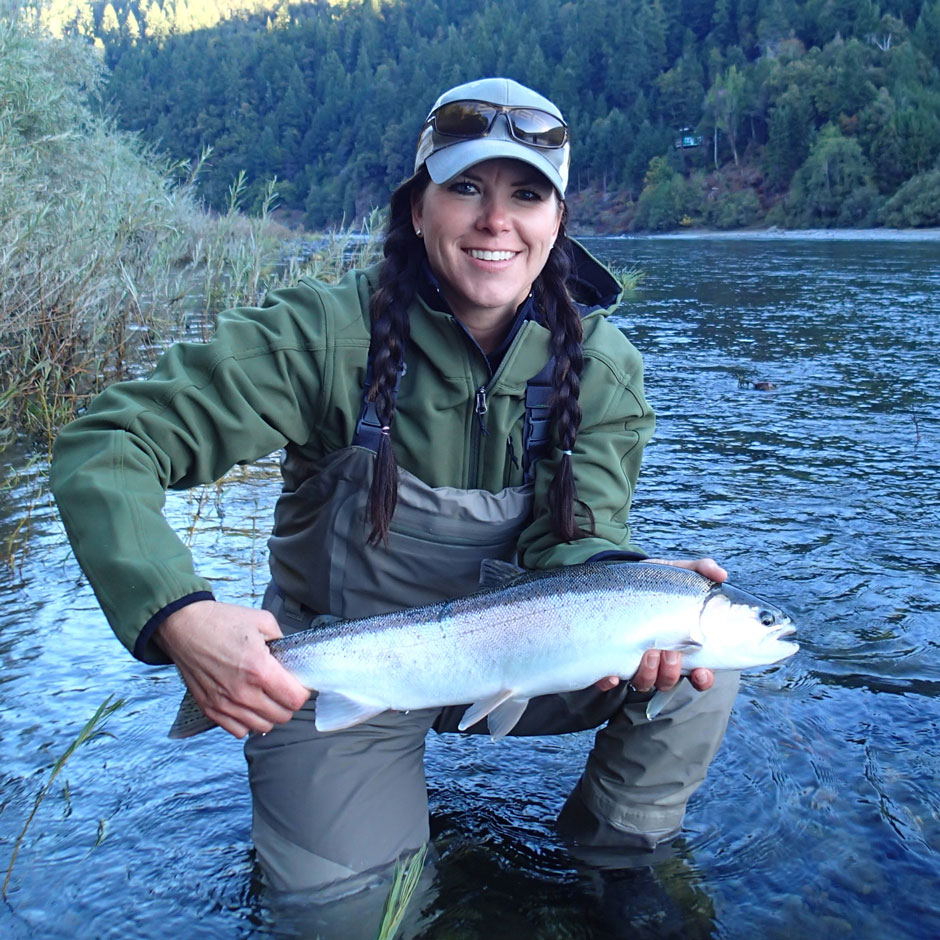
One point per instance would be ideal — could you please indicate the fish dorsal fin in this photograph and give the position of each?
(497, 573)
(335, 711)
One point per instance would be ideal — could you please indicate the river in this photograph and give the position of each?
(797, 385)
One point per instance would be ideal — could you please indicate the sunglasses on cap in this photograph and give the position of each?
(530, 126)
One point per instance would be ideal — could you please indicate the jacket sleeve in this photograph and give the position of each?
(617, 422)
(205, 408)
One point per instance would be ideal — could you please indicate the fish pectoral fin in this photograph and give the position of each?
(479, 710)
(688, 644)
(189, 719)
(497, 573)
(502, 719)
(660, 700)
(335, 711)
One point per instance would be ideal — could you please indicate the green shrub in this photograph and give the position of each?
(916, 204)
(735, 210)
(667, 199)
(834, 185)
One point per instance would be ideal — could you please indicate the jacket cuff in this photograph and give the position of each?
(617, 555)
(144, 648)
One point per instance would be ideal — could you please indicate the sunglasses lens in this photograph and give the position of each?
(538, 128)
(475, 119)
(463, 119)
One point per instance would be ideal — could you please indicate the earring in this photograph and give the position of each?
(418, 232)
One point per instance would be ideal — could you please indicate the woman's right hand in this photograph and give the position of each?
(221, 653)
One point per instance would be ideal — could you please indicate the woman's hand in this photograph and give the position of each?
(221, 653)
(662, 669)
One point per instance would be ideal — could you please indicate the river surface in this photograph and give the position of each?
(798, 391)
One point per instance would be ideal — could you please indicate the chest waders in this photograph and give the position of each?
(330, 808)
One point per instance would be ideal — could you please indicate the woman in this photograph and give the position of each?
(464, 399)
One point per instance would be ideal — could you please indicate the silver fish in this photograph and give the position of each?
(529, 633)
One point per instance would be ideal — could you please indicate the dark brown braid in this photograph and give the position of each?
(388, 309)
(564, 321)
(398, 282)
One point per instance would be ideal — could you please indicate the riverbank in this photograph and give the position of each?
(737, 197)
(773, 233)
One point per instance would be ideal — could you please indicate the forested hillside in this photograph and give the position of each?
(814, 113)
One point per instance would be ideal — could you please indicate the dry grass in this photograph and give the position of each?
(104, 248)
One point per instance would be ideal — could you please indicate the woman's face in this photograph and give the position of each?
(488, 233)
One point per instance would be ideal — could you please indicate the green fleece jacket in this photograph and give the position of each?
(292, 371)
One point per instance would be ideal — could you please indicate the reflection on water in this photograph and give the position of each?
(797, 388)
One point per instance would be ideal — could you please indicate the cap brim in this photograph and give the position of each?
(448, 162)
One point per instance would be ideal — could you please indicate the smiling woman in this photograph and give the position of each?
(515, 433)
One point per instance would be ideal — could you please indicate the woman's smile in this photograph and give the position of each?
(485, 255)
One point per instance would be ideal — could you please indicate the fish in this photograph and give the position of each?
(523, 634)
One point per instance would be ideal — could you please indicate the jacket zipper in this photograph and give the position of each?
(480, 407)
(477, 433)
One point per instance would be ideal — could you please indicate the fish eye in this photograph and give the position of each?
(767, 618)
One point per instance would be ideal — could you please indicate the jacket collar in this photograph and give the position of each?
(591, 284)
(430, 292)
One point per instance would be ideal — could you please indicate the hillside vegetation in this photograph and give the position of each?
(797, 112)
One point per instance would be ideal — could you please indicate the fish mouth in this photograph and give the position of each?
(781, 630)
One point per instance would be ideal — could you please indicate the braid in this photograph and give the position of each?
(390, 330)
(564, 321)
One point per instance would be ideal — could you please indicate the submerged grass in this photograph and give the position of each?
(16, 480)
(404, 882)
(92, 729)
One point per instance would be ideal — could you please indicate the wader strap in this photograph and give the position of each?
(536, 427)
(369, 427)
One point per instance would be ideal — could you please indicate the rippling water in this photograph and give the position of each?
(797, 386)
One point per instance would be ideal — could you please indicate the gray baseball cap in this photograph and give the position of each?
(446, 156)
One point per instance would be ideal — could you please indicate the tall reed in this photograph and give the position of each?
(91, 235)
(104, 246)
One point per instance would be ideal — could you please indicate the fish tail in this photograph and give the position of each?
(189, 719)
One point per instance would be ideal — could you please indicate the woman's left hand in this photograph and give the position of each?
(662, 669)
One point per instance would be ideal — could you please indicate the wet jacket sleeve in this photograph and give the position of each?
(617, 422)
(204, 409)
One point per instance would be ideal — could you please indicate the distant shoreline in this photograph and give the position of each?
(778, 234)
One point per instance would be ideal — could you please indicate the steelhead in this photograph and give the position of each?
(527, 634)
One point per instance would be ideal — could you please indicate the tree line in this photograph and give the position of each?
(726, 113)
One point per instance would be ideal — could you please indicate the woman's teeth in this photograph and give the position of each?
(491, 255)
